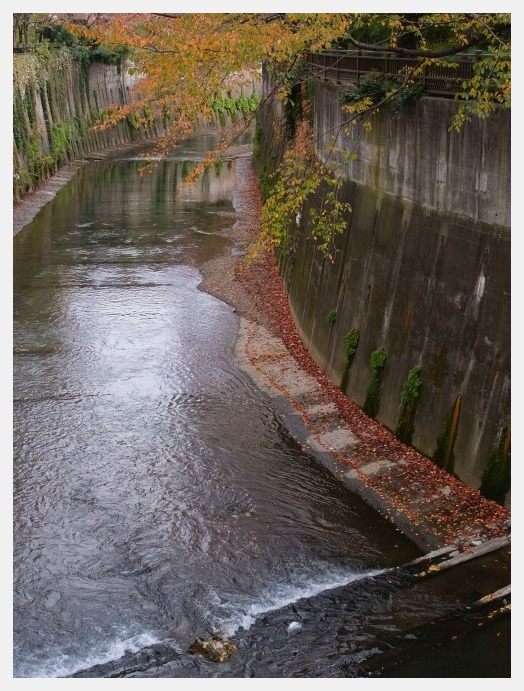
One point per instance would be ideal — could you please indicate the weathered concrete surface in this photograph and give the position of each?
(423, 501)
(55, 106)
(413, 155)
(433, 290)
(422, 271)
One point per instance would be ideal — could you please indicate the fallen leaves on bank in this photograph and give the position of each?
(410, 483)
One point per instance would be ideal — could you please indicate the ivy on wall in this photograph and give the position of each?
(45, 134)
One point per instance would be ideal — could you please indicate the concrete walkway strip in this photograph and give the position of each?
(379, 481)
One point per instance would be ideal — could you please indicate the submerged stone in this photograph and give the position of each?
(215, 649)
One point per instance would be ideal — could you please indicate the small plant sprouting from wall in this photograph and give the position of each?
(350, 343)
(408, 403)
(350, 347)
(497, 474)
(443, 455)
(377, 362)
(331, 316)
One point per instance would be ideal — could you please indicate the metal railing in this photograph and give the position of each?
(345, 67)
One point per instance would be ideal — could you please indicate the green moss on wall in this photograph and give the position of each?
(350, 348)
(257, 138)
(20, 128)
(377, 362)
(444, 453)
(61, 140)
(408, 403)
(32, 151)
(29, 103)
(351, 343)
(83, 85)
(331, 316)
(496, 480)
(265, 183)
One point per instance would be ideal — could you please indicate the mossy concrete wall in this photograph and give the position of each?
(422, 271)
(56, 101)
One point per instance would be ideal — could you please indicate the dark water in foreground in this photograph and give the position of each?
(156, 495)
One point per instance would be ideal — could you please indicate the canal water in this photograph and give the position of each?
(157, 497)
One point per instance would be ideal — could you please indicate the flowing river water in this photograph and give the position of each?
(157, 497)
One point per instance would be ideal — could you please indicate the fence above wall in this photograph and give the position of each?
(345, 67)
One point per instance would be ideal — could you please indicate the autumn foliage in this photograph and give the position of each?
(187, 60)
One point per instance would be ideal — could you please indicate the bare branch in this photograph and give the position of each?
(414, 52)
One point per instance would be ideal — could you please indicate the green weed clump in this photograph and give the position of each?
(257, 138)
(350, 347)
(377, 362)
(331, 316)
(409, 402)
(350, 343)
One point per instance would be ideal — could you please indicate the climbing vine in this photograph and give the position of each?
(239, 104)
(300, 176)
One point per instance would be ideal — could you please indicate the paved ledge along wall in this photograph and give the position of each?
(422, 271)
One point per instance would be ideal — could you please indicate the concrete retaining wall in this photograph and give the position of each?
(412, 154)
(56, 102)
(422, 271)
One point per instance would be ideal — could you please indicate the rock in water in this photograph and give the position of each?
(215, 649)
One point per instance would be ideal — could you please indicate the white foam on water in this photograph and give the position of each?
(106, 651)
(284, 594)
